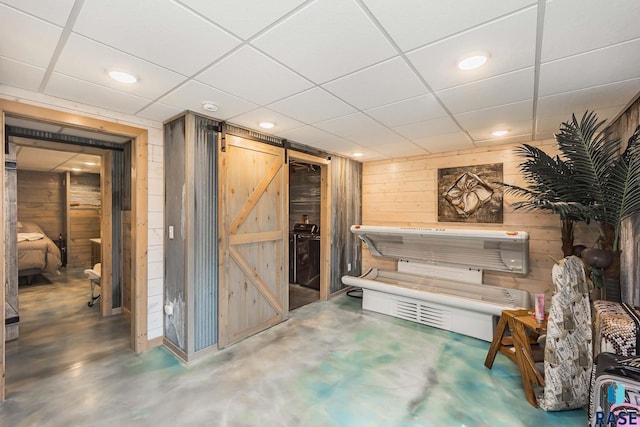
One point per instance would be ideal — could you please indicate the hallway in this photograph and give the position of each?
(329, 365)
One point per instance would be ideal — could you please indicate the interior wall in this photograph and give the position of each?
(623, 128)
(84, 218)
(304, 194)
(42, 199)
(403, 192)
(346, 200)
(11, 309)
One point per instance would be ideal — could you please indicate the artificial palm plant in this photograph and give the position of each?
(592, 179)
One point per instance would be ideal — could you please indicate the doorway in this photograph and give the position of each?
(138, 235)
(309, 232)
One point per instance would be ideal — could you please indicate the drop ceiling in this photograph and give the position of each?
(371, 76)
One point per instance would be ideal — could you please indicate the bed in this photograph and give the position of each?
(36, 252)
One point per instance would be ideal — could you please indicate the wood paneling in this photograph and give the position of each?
(42, 199)
(84, 218)
(85, 225)
(623, 128)
(403, 193)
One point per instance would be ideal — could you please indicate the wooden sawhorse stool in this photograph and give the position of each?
(520, 348)
(500, 342)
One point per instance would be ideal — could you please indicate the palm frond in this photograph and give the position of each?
(585, 147)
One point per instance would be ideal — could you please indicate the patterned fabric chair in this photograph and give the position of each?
(568, 353)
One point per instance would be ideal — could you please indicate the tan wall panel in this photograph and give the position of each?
(42, 199)
(84, 218)
(402, 192)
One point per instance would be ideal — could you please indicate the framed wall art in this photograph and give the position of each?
(470, 194)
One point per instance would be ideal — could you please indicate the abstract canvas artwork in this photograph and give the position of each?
(469, 194)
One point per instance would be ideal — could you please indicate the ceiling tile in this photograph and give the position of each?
(91, 94)
(251, 75)
(577, 102)
(501, 115)
(253, 118)
(29, 158)
(380, 84)
(428, 128)
(413, 23)
(170, 35)
(309, 135)
(598, 67)
(492, 92)
(514, 139)
(360, 129)
(447, 142)
(551, 123)
(510, 43)
(20, 75)
(312, 106)
(193, 94)
(55, 12)
(400, 149)
(159, 112)
(321, 40)
(32, 40)
(412, 110)
(317, 138)
(575, 26)
(88, 60)
(243, 18)
(515, 129)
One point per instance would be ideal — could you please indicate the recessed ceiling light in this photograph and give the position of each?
(209, 106)
(356, 154)
(501, 132)
(472, 62)
(90, 163)
(76, 169)
(266, 125)
(122, 76)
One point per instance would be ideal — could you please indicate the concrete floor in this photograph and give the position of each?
(300, 295)
(330, 364)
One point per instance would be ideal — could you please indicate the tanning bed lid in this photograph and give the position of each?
(478, 249)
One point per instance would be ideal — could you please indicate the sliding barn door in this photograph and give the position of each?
(253, 286)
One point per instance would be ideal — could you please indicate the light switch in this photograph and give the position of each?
(171, 232)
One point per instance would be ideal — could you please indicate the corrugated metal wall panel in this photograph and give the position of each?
(174, 249)
(206, 241)
(346, 202)
(118, 185)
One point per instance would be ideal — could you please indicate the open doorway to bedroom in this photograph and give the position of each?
(121, 241)
(56, 306)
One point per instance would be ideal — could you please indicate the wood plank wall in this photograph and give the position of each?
(84, 218)
(623, 128)
(402, 192)
(42, 199)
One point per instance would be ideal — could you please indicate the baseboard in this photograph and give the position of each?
(154, 342)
